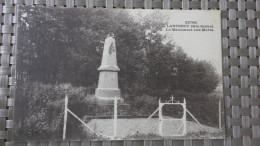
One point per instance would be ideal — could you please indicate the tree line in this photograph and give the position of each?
(70, 51)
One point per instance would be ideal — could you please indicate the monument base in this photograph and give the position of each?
(107, 95)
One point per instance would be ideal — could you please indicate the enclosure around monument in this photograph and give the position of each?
(142, 128)
(163, 87)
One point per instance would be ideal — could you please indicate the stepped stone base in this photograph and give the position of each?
(107, 95)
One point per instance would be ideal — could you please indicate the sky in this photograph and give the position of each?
(199, 45)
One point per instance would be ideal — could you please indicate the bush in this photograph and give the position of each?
(143, 105)
(202, 105)
(45, 111)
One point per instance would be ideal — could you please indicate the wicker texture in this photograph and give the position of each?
(240, 45)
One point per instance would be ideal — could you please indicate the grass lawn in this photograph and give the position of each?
(140, 128)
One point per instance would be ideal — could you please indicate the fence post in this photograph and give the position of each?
(115, 117)
(160, 119)
(219, 113)
(184, 118)
(65, 117)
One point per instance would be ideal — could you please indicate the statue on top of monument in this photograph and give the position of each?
(109, 54)
(111, 47)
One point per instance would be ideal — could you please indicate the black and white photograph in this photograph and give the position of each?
(118, 74)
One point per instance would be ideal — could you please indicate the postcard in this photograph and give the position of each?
(118, 74)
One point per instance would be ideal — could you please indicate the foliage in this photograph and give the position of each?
(149, 63)
(45, 109)
(197, 104)
(143, 105)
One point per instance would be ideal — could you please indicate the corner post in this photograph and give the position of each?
(160, 119)
(115, 117)
(65, 117)
(219, 113)
(184, 118)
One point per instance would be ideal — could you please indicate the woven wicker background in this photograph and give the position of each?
(241, 42)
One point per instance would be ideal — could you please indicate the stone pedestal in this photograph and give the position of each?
(108, 74)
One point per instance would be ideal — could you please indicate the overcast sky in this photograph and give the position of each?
(199, 45)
